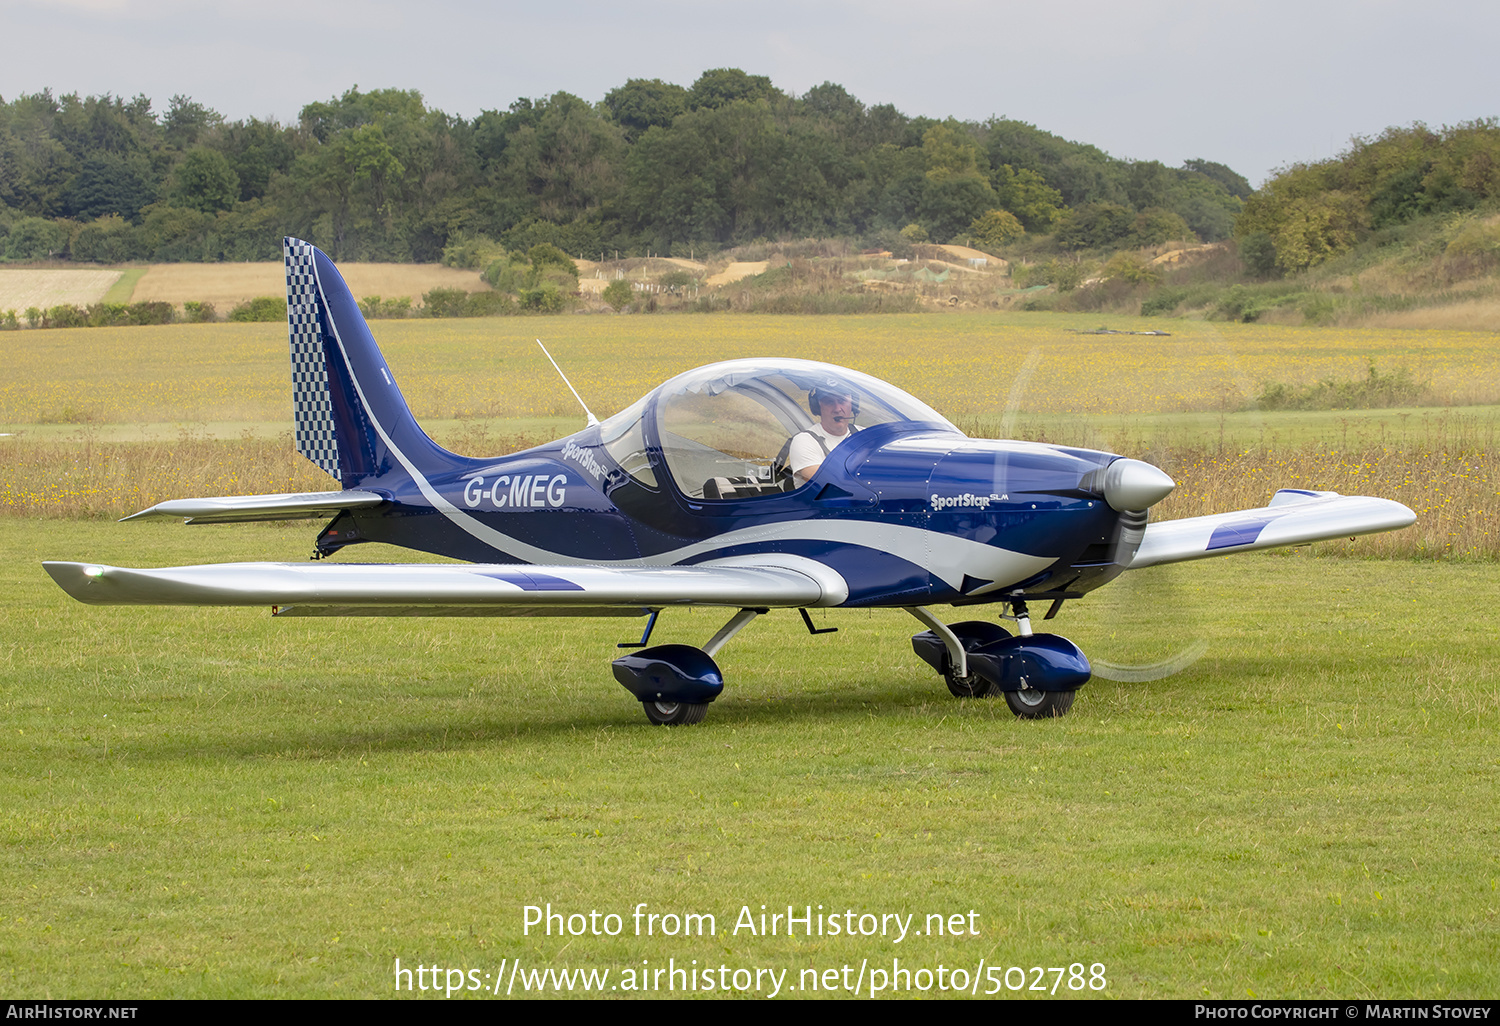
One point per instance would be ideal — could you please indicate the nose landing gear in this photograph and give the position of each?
(1039, 674)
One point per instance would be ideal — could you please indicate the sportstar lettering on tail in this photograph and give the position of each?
(689, 499)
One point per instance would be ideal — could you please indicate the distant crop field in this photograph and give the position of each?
(23, 287)
(107, 421)
(226, 285)
(967, 366)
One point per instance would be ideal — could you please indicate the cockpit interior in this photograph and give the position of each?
(723, 431)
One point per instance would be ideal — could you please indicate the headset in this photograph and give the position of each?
(831, 388)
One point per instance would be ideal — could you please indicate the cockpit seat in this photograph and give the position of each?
(738, 487)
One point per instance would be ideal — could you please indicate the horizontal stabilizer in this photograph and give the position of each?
(241, 508)
(364, 585)
(1294, 517)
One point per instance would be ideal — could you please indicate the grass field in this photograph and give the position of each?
(210, 803)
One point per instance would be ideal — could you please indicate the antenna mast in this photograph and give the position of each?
(593, 420)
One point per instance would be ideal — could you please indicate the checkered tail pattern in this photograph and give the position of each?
(312, 403)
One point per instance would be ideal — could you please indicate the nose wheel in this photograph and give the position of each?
(1032, 704)
(1039, 674)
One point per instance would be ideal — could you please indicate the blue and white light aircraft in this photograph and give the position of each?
(686, 498)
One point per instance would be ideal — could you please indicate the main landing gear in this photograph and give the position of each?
(675, 683)
(1038, 674)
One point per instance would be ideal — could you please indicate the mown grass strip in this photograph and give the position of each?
(122, 290)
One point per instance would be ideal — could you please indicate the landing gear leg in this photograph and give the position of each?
(1030, 703)
(675, 683)
(1037, 673)
(736, 623)
(955, 668)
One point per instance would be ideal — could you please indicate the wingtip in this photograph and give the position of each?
(74, 578)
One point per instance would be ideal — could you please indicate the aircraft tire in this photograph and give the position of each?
(1039, 705)
(667, 714)
(972, 686)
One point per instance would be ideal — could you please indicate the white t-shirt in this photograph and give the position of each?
(805, 453)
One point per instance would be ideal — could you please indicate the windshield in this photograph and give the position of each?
(726, 429)
(624, 438)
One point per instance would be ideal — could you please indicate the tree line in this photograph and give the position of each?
(1310, 213)
(653, 167)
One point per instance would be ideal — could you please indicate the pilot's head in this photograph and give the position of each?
(832, 392)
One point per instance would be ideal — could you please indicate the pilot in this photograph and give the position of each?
(835, 408)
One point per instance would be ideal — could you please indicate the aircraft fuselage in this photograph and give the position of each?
(907, 513)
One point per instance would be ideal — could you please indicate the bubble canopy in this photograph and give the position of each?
(722, 430)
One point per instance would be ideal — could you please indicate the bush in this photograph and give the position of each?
(1474, 250)
(198, 313)
(618, 294)
(676, 281)
(65, 317)
(1377, 391)
(373, 307)
(1095, 226)
(1155, 226)
(158, 312)
(578, 236)
(546, 253)
(1247, 302)
(1067, 275)
(508, 273)
(458, 303)
(102, 315)
(175, 233)
(489, 304)
(1132, 268)
(1238, 304)
(262, 308)
(445, 303)
(547, 298)
(1163, 302)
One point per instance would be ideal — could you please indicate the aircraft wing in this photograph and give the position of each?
(1294, 517)
(242, 508)
(457, 589)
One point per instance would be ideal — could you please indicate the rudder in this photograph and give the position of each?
(350, 419)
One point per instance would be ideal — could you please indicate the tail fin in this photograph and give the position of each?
(351, 419)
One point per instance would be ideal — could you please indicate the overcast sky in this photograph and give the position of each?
(1254, 84)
